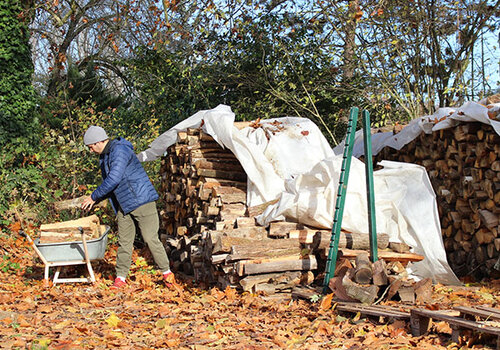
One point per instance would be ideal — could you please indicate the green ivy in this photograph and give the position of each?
(17, 97)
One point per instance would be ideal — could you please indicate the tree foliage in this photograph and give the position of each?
(139, 67)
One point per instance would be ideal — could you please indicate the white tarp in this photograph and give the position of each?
(443, 118)
(289, 159)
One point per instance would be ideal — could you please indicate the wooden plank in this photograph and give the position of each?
(420, 319)
(489, 313)
(249, 282)
(382, 254)
(373, 310)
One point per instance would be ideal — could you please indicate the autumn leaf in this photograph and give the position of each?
(44, 342)
(164, 311)
(140, 262)
(370, 339)
(113, 320)
(230, 293)
(16, 226)
(326, 302)
(324, 328)
(442, 327)
(62, 325)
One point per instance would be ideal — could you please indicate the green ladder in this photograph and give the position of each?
(342, 189)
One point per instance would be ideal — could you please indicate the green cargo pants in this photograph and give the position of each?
(146, 217)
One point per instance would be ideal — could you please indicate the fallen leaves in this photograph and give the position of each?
(148, 315)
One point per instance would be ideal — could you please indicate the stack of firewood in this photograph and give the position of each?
(210, 231)
(211, 234)
(463, 164)
(68, 231)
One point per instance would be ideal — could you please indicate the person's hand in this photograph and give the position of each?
(87, 203)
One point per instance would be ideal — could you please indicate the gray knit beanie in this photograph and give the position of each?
(94, 134)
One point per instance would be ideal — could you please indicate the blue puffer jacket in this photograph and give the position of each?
(125, 181)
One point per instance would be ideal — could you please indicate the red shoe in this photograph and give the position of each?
(169, 279)
(119, 283)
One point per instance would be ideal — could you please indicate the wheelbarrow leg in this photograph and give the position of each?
(56, 275)
(46, 274)
(91, 272)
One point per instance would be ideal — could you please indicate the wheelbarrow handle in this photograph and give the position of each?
(25, 235)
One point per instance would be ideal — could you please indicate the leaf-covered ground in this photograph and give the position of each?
(147, 315)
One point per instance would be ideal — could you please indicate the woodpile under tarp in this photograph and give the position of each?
(463, 163)
(211, 234)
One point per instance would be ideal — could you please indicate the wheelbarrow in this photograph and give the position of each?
(70, 253)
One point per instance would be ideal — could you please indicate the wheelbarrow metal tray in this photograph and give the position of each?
(65, 251)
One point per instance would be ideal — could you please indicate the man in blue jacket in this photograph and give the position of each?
(132, 196)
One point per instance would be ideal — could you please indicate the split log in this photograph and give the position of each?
(379, 276)
(259, 209)
(366, 294)
(75, 203)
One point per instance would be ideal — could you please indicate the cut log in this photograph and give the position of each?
(335, 283)
(229, 194)
(222, 174)
(245, 222)
(399, 247)
(277, 265)
(488, 218)
(282, 229)
(406, 293)
(266, 248)
(363, 270)
(349, 240)
(305, 236)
